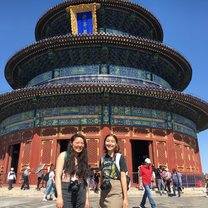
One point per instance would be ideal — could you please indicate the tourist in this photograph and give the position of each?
(177, 182)
(140, 178)
(153, 181)
(113, 183)
(72, 174)
(159, 179)
(40, 178)
(11, 177)
(146, 174)
(96, 180)
(25, 177)
(206, 184)
(50, 186)
(91, 178)
(167, 179)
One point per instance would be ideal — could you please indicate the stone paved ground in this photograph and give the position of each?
(31, 198)
(161, 202)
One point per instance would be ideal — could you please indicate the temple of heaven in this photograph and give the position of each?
(100, 67)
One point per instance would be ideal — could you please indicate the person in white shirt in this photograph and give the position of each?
(11, 177)
(50, 186)
(167, 180)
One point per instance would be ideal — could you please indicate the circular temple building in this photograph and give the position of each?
(100, 67)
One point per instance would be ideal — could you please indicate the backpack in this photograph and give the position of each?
(117, 160)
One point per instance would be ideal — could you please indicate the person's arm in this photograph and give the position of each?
(59, 169)
(124, 189)
(87, 202)
(8, 176)
(123, 170)
(141, 171)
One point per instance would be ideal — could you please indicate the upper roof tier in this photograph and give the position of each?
(113, 15)
(110, 49)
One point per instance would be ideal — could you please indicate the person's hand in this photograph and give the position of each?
(125, 203)
(87, 204)
(59, 202)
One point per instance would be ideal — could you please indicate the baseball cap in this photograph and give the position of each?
(12, 168)
(147, 160)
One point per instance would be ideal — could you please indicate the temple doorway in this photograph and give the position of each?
(63, 145)
(140, 151)
(15, 150)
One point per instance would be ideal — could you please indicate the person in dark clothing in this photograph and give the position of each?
(40, 178)
(177, 182)
(159, 179)
(96, 180)
(91, 178)
(25, 176)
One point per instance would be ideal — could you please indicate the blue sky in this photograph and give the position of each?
(184, 24)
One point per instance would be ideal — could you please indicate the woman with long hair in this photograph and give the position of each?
(113, 183)
(71, 175)
(50, 188)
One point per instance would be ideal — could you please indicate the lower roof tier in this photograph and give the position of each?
(109, 49)
(106, 94)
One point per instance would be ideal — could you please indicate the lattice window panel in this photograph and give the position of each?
(197, 162)
(192, 155)
(192, 159)
(187, 158)
(46, 152)
(179, 154)
(162, 153)
(93, 151)
(26, 153)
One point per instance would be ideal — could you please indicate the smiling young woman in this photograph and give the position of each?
(113, 184)
(72, 173)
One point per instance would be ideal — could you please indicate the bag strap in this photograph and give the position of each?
(117, 161)
(102, 160)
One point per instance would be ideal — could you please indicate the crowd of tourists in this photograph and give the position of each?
(69, 182)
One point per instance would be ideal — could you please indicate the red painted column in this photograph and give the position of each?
(129, 152)
(152, 149)
(35, 157)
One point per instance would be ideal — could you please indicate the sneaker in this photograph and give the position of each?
(44, 199)
(54, 199)
(140, 206)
